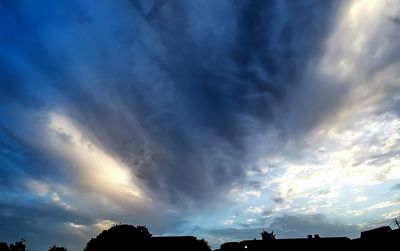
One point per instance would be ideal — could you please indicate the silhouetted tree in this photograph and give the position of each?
(120, 237)
(18, 246)
(203, 245)
(55, 248)
(266, 236)
(4, 246)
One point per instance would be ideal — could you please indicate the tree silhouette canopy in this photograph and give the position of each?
(266, 236)
(17, 246)
(120, 237)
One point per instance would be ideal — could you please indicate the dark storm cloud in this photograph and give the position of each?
(173, 88)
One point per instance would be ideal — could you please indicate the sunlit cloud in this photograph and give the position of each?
(392, 215)
(384, 204)
(104, 224)
(95, 169)
(256, 210)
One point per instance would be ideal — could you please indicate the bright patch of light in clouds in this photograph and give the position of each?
(345, 164)
(392, 215)
(95, 168)
(104, 224)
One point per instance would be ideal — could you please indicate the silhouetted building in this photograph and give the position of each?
(231, 246)
(382, 236)
(178, 243)
(376, 233)
(317, 243)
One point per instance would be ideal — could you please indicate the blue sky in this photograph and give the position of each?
(210, 118)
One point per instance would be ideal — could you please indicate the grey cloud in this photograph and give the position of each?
(278, 200)
(236, 234)
(27, 219)
(286, 226)
(178, 86)
(175, 113)
(302, 225)
(289, 226)
(21, 158)
(180, 91)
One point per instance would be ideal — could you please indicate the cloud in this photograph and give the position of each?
(384, 204)
(25, 220)
(392, 215)
(235, 234)
(301, 225)
(178, 116)
(96, 169)
(130, 106)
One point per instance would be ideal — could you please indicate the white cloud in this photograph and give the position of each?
(384, 204)
(228, 222)
(250, 221)
(392, 214)
(256, 210)
(356, 145)
(355, 212)
(360, 199)
(76, 226)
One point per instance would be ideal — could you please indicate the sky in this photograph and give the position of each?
(216, 119)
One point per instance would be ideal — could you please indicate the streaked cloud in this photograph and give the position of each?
(191, 116)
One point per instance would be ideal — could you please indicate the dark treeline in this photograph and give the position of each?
(128, 237)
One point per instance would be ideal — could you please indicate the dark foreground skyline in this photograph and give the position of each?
(198, 117)
(128, 237)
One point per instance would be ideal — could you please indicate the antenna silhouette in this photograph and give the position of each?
(397, 223)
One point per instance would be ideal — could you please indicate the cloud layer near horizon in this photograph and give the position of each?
(130, 106)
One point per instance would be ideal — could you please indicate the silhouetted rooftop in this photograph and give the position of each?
(381, 236)
(376, 232)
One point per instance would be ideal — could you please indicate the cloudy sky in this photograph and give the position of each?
(209, 118)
